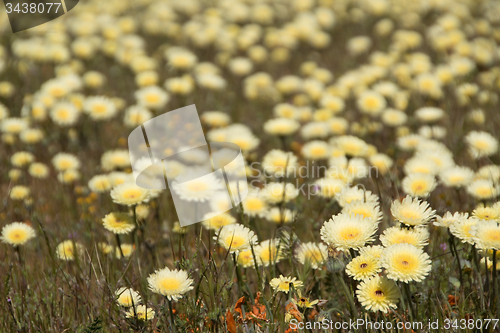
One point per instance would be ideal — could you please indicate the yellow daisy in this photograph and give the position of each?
(172, 284)
(17, 233)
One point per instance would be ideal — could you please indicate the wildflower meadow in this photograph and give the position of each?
(366, 197)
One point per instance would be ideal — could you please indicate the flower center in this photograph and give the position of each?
(131, 194)
(318, 151)
(254, 204)
(349, 234)
(197, 186)
(170, 284)
(99, 108)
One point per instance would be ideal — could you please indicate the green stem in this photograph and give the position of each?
(136, 239)
(349, 296)
(478, 274)
(119, 244)
(18, 250)
(454, 251)
(238, 273)
(494, 295)
(256, 265)
(406, 287)
(172, 321)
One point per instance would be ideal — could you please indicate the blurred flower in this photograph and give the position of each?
(481, 144)
(279, 192)
(279, 163)
(118, 223)
(68, 250)
(268, 252)
(126, 249)
(141, 312)
(127, 297)
(198, 189)
(99, 108)
(235, 237)
(215, 221)
(100, 183)
(254, 204)
(313, 254)
(486, 235)
(129, 194)
(419, 184)
(65, 161)
(448, 219)
(19, 192)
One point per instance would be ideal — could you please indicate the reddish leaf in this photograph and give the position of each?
(237, 306)
(231, 325)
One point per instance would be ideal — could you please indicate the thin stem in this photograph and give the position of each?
(348, 295)
(256, 265)
(136, 239)
(487, 273)
(478, 274)
(18, 250)
(238, 273)
(453, 249)
(494, 295)
(172, 322)
(119, 245)
(406, 287)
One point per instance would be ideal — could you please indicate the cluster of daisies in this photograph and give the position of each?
(390, 127)
(172, 284)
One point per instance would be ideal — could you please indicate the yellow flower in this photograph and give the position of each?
(245, 258)
(268, 252)
(129, 194)
(314, 254)
(140, 312)
(17, 233)
(172, 284)
(346, 232)
(405, 262)
(100, 183)
(127, 297)
(486, 234)
(22, 158)
(19, 192)
(126, 249)
(67, 250)
(304, 302)
(363, 267)
(38, 170)
(215, 221)
(378, 294)
(419, 184)
(412, 211)
(418, 236)
(283, 284)
(118, 223)
(235, 237)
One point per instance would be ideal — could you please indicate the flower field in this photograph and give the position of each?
(369, 136)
